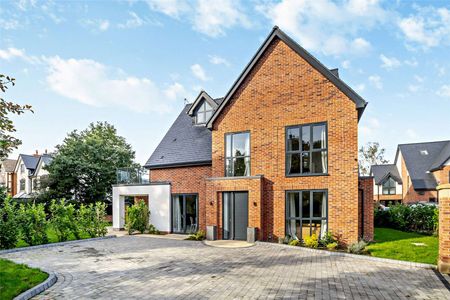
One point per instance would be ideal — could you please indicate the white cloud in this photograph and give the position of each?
(411, 62)
(389, 63)
(175, 91)
(95, 84)
(133, 22)
(96, 25)
(444, 91)
(217, 60)
(211, 18)
(413, 88)
(330, 27)
(199, 72)
(429, 27)
(360, 87)
(345, 64)
(375, 80)
(412, 134)
(10, 24)
(418, 78)
(11, 53)
(370, 127)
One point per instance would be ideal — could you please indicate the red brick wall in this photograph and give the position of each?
(442, 176)
(282, 90)
(187, 180)
(444, 229)
(365, 184)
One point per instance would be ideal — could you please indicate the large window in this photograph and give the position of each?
(389, 187)
(184, 213)
(306, 213)
(204, 112)
(306, 149)
(237, 154)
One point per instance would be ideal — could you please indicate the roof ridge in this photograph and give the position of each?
(424, 143)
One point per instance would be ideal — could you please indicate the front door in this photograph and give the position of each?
(184, 213)
(235, 215)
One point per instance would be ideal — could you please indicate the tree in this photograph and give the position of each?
(371, 154)
(8, 142)
(84, 165)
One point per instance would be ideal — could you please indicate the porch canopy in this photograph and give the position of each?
(158, 195)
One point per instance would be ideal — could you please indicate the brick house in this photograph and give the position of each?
(277, 155)
(416, 172)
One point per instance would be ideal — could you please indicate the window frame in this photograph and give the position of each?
(383, 188)
(204, 112)
(311, 218)
(233, 157)
(197, 200)
(300, 151)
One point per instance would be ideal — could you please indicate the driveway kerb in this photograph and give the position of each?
(29, 248)
(28, 294)
(371, 258)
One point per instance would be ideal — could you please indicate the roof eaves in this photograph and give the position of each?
(177, 165)
(276, 32)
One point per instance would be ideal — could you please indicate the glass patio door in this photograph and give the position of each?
(184, 213)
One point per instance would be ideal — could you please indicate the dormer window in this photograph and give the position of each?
(203, 114)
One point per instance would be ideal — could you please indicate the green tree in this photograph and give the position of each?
(8, 142)
(371, 154)
(84, 165)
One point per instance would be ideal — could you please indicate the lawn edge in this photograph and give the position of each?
(54, 244)
(46, 284)
(410, 264)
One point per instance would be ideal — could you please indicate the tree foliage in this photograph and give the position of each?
(371, 154)
(84, 165)
(8, 142)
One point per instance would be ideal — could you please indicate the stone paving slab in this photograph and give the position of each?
(143, 267)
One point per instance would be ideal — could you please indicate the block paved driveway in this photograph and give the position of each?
(142, 267)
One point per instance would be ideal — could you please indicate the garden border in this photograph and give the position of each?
(366, 257)
(55, 244)
(36, 290)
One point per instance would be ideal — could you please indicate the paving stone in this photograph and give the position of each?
(142, 267)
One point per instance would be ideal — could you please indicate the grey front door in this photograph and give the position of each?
(235, 215)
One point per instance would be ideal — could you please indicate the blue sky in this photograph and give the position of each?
(132, 63)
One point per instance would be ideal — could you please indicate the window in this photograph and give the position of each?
(389, 187)
(22, 168)
(306, 213)
(306, 149)
(204, 112)
(237, 154)
(22, 184)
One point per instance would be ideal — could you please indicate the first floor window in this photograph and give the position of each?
(389, 187)
(237, 154)
(22, 184)
(306, 213)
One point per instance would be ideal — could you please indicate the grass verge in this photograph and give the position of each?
(17, 278)
(407, 246)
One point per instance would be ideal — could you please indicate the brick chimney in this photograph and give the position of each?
(36, 154)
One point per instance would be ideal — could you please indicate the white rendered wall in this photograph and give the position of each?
(158, 202)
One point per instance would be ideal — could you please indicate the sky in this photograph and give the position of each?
(133, 63)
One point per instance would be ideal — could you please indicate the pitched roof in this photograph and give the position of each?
(203, 95)
(329, 74)
(442, 158)
(420, 158)
(9, 165)
(382, 172)
(43, 159)
(184, 144)
(30, 161)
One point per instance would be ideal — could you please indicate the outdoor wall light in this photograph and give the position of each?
(255, 204)
(211, 202)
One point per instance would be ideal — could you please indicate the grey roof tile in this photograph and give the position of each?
(419, 159)
(380, 172)
(30, 161)
(9, 165)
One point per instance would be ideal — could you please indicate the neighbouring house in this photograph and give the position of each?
(417, 170)
(277, 156)
(7, 175)
(31, 175)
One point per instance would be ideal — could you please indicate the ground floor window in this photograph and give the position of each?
(184, 213)
(306, 213)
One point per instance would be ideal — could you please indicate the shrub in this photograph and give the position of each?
(382, 218)
(294, 242)
(327, 239)
(91, 219)
(152, 229)
(9, 224)
(137, 218)
(33, 224)
(198, 236)
(311, 241)
(357, 248)
(63, 220)
(332, 246)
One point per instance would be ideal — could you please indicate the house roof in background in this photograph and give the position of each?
(30, 161)
(184, 144)
(420, 158)
(314, 62)
(202, 96)
(442, 158)
(382, 172)
(9, 165)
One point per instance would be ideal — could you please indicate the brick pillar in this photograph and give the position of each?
(444, 228)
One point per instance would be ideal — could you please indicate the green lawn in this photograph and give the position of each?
(395, 244)
(52, 238)
(15, 278)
